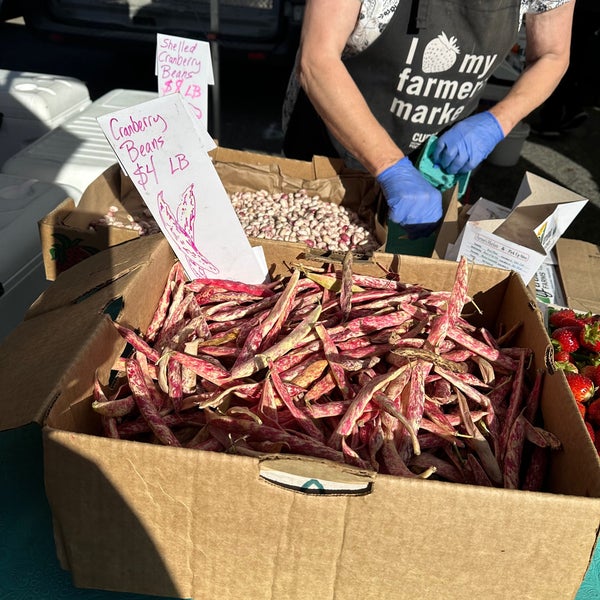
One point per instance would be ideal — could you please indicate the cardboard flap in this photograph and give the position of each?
(520, 226)
(112, 191)
(450, 227)
(63, 326)
(101, 193)
(542, 212)
(326, 167)
(580, 273)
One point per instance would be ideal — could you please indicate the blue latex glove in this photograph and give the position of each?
(467, 143)
(413, 202)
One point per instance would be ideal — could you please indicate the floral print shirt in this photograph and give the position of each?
(376, 14)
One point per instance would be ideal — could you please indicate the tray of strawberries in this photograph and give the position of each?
(576, 341)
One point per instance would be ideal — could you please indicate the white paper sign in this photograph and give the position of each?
(177, 180)
(184, 66)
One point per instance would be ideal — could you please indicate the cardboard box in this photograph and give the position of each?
(521, 238)
(66, 234)
(578, 266)
(67, 237)
(136, 517)
(570, 278)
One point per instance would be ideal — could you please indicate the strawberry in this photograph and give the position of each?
(581, 408)
(567, 337)
(562, 356)
(581, 386)
(562, 318)
(591, 371)
(593, 413)
(589, 318)
(591, 431)
(589, 336)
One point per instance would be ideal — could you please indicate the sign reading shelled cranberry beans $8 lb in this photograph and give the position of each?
(576, 341)
(164, 150)
(184, 66)
(362, 370)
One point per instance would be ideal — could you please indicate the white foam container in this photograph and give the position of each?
(23, 202)
(76, 152)
(32, 104)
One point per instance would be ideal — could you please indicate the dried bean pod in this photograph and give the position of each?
(146, 406)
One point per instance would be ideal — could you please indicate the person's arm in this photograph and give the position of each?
(547, 52)
(413, 202)
(326, 27)
(466, 144)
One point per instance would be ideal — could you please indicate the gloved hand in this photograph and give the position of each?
(413, 202)
(467, 143)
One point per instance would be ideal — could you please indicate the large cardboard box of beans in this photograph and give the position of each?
(135, 516)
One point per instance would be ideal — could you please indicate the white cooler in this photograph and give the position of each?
(31, 104)
(76, 152)
(23, 202)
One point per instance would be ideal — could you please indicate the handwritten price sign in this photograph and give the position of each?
(176, 178)
(184, 66)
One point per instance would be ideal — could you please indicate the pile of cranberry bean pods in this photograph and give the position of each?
(363, 370)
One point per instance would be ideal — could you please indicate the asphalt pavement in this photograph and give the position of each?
(248, 101)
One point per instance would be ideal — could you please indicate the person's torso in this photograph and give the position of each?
(430, 65)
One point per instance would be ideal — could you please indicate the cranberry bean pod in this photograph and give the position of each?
(109, 422)
(119, 407)
(160, 314)
(271, 322)
(302, 417)
(277, 350)
(136, 341)
(478, 442)
(492, 354)
(535, 474)
(359, 403)
(146, 405)
(388, 405)
(207, 369)
(514, 450)
(296, 444)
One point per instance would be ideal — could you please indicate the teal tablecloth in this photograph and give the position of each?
(29, 569)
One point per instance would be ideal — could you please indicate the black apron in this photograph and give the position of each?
(427, 70)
